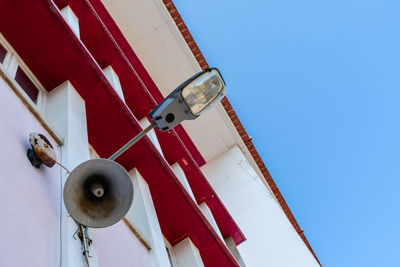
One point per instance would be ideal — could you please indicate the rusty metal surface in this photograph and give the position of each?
(43, 149)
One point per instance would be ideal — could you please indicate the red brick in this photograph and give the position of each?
(182, 27)
(237, 123)
(174, 13)
(241, 132)
(251, 149)
(200, 58)
(188, 40)
(204, 66)
(193, 45)
(170, 7)
(186, 35)
(265, 172)
(227, 107)
(232, 114)
(178, 20)
(235, 120)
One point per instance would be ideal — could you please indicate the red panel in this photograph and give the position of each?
(188, 143)
(149, 85)
(174, 148)
(105, 49)
(54, 54)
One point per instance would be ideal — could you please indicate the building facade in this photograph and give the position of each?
(85, 74)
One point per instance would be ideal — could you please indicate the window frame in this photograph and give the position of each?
(9, 69)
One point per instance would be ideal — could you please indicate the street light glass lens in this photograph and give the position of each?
(204, 92)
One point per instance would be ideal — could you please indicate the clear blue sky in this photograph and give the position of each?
(317, 85)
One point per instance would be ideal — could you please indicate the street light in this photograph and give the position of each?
(90, 186)
(202, 91)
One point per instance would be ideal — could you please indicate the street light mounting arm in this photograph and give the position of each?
(132, 142)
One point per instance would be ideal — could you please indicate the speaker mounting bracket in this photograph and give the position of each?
(82, 234)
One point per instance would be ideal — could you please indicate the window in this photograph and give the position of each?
(27, 86)
(3, 53)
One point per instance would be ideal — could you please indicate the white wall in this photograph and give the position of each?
(66, 113)
(117, 246)
(271, 239)
(30, 197)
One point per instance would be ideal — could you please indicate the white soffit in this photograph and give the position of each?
(156, 40)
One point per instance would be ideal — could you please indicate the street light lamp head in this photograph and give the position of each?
(200, 92)
(197, 94)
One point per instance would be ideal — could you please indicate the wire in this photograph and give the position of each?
(62, 166)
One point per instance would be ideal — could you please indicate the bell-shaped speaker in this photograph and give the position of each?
(98, 193)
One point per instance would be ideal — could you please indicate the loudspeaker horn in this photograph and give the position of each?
(98, 193)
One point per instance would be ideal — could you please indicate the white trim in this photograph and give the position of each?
(93, 153)
(144, 123)
(210, 217)
(170, 253)
(71, 19)
(113, 79)
(234, 251)
(7, 58)
(187, 254)
(10, 66)
(180, 174)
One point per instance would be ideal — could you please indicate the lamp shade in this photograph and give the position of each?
(204, 92)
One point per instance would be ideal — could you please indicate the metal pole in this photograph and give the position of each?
(132, 142)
